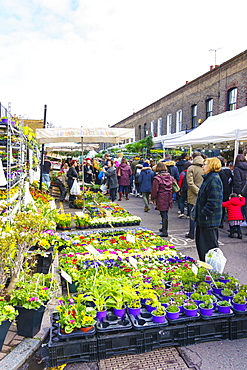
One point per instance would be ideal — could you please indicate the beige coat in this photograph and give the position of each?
(194, 179)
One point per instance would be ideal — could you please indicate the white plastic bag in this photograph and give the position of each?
(216, 259)
(104, 188)
(75, 190)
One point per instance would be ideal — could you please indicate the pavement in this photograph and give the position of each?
(221, 354)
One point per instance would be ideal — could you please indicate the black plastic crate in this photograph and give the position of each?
(80, 350)
(201, 331)
(238, 327)
(121, 343)
(175, 335)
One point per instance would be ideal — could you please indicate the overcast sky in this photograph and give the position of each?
(94, 62)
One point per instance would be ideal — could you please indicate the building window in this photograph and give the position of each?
(209, 108)
(179, 121)
(140, 132)
(194, 115)
(152, 128)
(232, 99)
(159, 128)
(169, 124)
(145, 130)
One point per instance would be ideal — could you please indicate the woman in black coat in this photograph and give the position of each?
(240, 177)
(72, 175)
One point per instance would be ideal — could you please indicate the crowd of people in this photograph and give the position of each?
(203, 188)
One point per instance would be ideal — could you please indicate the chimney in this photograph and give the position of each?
(187, 82)
(211, 67)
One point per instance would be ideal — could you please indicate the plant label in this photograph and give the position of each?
(66, 276)
(130, 238)
(194, 269)
(133, 262)
(92, 250)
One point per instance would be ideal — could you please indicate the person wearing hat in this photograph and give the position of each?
(146, 180)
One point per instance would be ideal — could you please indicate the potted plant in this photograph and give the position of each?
(239, 302)
(190, 308)
(172, 311)
(188, 289)
(158, 314)
(224, 307)
(64, 221)
(227, 294)
(218, 287)
(203, 288)
(206, 307)
(7, 314)
(82, 222)
(98, 294)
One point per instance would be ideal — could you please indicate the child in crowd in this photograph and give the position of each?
(235, 216)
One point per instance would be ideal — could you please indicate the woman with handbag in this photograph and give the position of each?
(162, 194)
(124, 172)
(72, 175)
(239, 180)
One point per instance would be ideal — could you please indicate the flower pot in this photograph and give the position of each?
(223, 280)
(224, 309)
(101, 315)
(227, 298)
(85, 330)
(44, 263)
(159, 319)
(189, 294)
(206, 311)
(4, 327)
(134, 311)
(239, 306)
(150, 308)
(198, 302)
(190, 313)
(172, 315)
(217, 290)
(72, 288)
(4, 120)
(29, 321)
(119, 312)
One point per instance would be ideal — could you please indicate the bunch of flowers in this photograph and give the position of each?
(64, 220)
(39, 195)
(7, 311)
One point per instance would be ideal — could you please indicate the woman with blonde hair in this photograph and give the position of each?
(208, 207)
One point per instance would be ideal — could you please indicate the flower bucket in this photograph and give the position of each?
(101, 315)
(134, 311)
(172, 315)
(119, 312)
(239, 306)
(29, 321)
(4, 327)
(190, 313)
(159, 319)
(206, 311)
(224, 309)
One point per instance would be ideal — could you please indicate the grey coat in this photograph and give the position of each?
(111, 175)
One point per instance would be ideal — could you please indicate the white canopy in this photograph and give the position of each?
(89, 135)
(227, 126)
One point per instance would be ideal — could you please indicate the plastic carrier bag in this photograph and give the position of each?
(75, 189)
(216, 259)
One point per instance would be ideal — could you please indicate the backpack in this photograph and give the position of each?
(184, 187)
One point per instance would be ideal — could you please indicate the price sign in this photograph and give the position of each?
(133, 262)
(194, 269)
(92, 250)
(130, 238)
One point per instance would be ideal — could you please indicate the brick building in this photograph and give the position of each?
(222, 88)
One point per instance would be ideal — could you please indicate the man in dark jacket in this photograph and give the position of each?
(184, 158)
(208, 208)
(146, 180)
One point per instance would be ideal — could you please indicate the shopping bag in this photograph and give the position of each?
(216, 259)
(75, 189)
(104, 188)
(175, 187)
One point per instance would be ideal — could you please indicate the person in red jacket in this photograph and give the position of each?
(235, 216)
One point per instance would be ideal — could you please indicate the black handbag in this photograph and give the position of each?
(244, 190)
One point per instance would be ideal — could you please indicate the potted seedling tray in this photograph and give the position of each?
(56, 335)
(239, 312)
(184, 318)
(145, 321)
(217, 315)
(113, 323)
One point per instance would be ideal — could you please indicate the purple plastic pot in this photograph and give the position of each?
(119, 312)
(227, 298)
(206, 311)
(223, 280)
(134, 311)
(224, 309)
(150, 308)
(189, 294)
(190, 312)
(172, 315)
(159, 319)
(217, 290)
(239, 306)
(101, 315)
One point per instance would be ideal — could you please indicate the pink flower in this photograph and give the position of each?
(33, 299)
